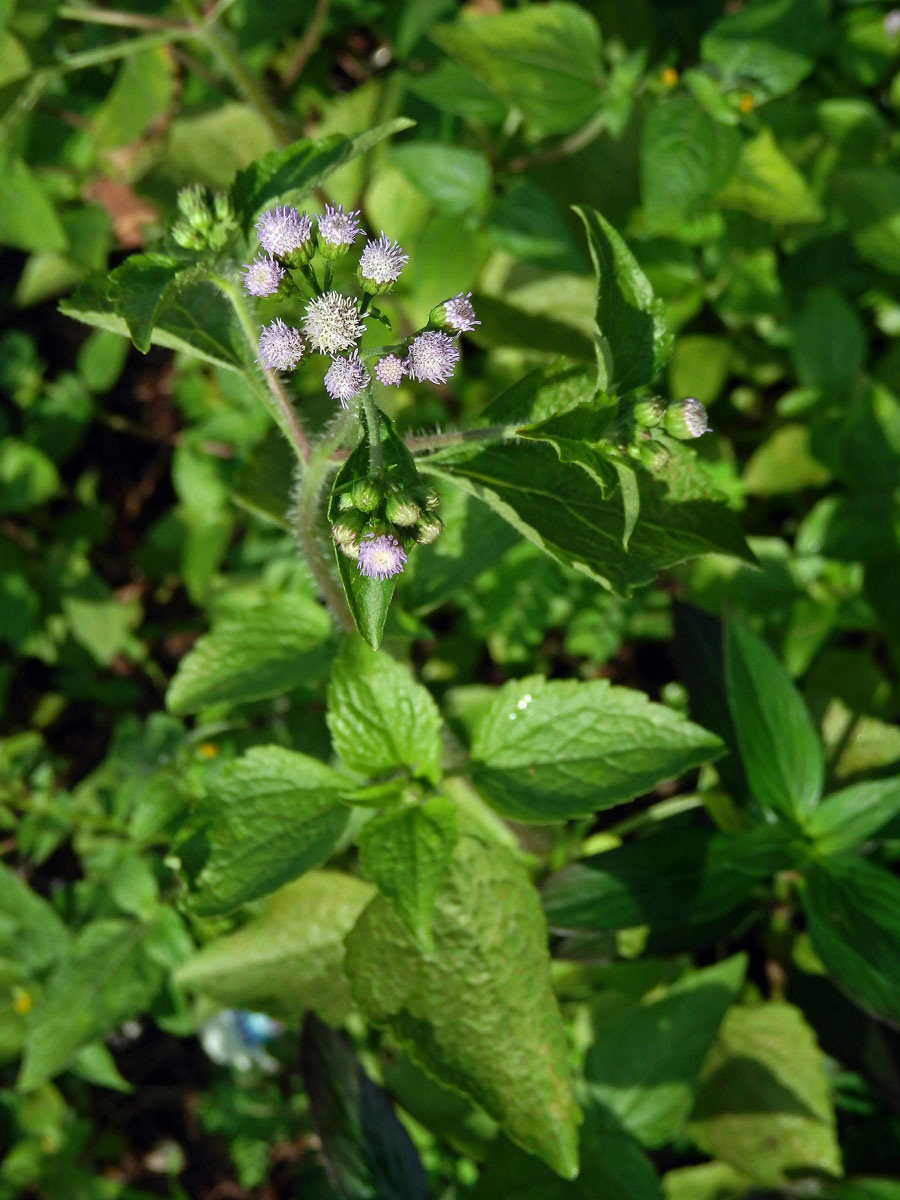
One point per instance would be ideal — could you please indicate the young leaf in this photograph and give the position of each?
(853, 912)
(367, 1151)
(764, 1104)
(845, 820)
(275, 647)
(289, 959)
(780, 749)
(477, 1011)
(138, 288)
(271, 815)
(407, 853)
(380, 719)
(644, 1064)
(548, 751)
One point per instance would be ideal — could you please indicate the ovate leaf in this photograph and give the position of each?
(289, 959)
(477, 1011)
(548, 751)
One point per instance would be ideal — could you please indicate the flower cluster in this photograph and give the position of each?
(377, 519)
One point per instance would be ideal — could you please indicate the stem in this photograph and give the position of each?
(307, 45)
(376, 454)
(123, 48)
(328, 275)
(282, 410)
(106, 16)
(436, 441)
(309, 496)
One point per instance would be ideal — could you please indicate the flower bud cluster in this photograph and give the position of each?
(682, 419)
(204, 222)
(377, 519)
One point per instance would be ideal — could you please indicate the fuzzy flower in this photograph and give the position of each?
(459, 315)
(686, 419)
(382, 261)
(390, 370)
(282, 230)
(263, 276)
(380, 557)
(337, 228)
(332, 323)
(432, 356)
(280, 346)
(344, 378)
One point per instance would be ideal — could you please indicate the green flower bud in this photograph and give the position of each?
(367, 494)
(654, 456)
(401, 509)
(193, 206)
(686, 419)
(345, 501)
(649, 412)
(186, 237)
(428, 529)
(347, 528)
(430, 499)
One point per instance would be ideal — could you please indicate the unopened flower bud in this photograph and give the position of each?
(401, 509)
(649, 412)
(193, 206)
(430, 498)
(654, 456)
(186, 237)
(367, 494)
(686, 419)
(428, 529)
(347, 528)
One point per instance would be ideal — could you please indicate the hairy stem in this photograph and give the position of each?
(376, 454)
(306, 517)
(436, 441)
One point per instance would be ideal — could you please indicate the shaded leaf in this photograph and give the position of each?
(845, 820)
(775, 42)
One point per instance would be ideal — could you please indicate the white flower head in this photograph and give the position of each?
(282, 230)
(263, 276)
(380, 557)
(345, 378)
(432, 356)
(337, 228)
(390, 370)
(332, 323)
(459, 315)
(382, 261)
(280, 346)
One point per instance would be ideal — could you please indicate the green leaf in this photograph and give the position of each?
(775, 42)
(764, 1104)
(630, 323)
(28, 221)
(287, 176)
(454, 178)
(289, 959)
(686, 157)
(270, 816)
(644, 1064)
(548, 751)
(853, 913)
(273, 648)
(407, 853)
(380, 719)
(27, 476)
(779, 745)
(666, 880)
(829, 342)
(96, 1064)
(143, 90)
(847, 819)
(367, 1151)
(767, 185)
(477, 1011)
(138, 289)
(543, 61)
(104, 978)
(31, 932)
(869, 199)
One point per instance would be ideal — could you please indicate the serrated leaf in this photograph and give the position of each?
(853, 912)
(764, 1104)
(367, 1151)
(775, 42)
(380, 718)
(289, 959)
(272, 648)
(845, 820)
(780, 748)
(407, 853)
(548, 751)
(645, 1060)
(270, 816)
(630, 333)
(138, 288)
(477, 1011)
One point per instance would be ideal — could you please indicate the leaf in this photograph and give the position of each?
(630, 323)
(289, 959)
(543, 61)
(829, 342)
(767, 185)
(273, 648)
(27, 476)
(138, 289)
(103, 979)
(666, 880)
(454, 178)
(846, 820)
(380, 719)
(686, 157)
(764, 1104)
(853, 913)
(869, 200)
(367, 1151)
(142, 92)
(287, 176)
(28, 220)
(31, 931)
(548, 751)
(779, 746)
(775, 42)
(478, 1011)
(644, 1064)
(270, 816)
(407, 854)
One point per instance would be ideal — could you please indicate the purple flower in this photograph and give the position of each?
(380, 557)
(280, 346)
(332, 323)
(432, 356)
(282, 229)
(263, 276)
(344, 378)
(459, 315)
(390, 370)
(338, 228)
(686, 419)
(382, 261)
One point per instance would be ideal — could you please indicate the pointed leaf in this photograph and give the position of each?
(845, 820)
(138, 289)
(685, 157)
